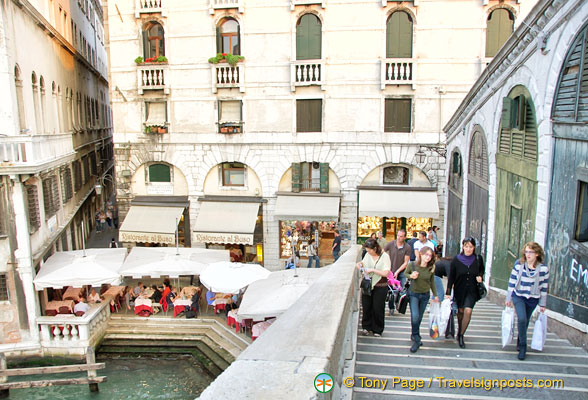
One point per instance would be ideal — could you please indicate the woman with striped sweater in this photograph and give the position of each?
(527, 287)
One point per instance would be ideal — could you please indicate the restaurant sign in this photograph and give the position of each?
(147, 237)
(218, 237)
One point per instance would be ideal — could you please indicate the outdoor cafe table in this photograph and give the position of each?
(53, 307)
(114, 291)
(220, 303)
(260, 327)
(180, 305)
(234, 320)
(188, 291)
(72, 293)
(142, 304)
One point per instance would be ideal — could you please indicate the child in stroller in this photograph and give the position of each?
(394, 289)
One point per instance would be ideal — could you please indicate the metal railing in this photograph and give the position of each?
(397, 71)
(306, 73)
(227, 76)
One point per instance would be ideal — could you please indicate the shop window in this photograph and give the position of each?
(153, 43)
(33, 208)
(230, 116)
(297, 235)
(228, 38)
(159, 173)
(308, 38)
(500, 26)
(155, 117)
(309, 115)
(310, 177)
(581, 233)
(50, 196)
(3, 288)
(397, 115)
(399, 35)
(395, 176)
(389, 226)
(233, 174)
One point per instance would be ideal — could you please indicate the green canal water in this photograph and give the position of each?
(130, 377)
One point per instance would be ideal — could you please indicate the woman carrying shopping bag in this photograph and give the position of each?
(466, 271)
(527, 287)
(423, 281)
(376, 265)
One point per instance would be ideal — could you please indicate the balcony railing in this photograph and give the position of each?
(397, 71)
(306, 73)
(225, 4)
(310, 185)
(148, 7)
(227, 76)
(294, 3)
(152, 77)
(31, 150)
(414, 2)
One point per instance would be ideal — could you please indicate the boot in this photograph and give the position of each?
(522, 352)
(460, 341)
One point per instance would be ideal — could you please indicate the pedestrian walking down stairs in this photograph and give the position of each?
(386, 369)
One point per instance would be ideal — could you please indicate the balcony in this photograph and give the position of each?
(149, 7)
(225, 4)
(226, 76)
(152, 77)
(294, 3)
(306, 73)
(398, 71)
(414, 2)
(32, 152)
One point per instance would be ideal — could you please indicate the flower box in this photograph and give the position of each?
(226, 58)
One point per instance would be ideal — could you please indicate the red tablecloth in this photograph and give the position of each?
(260, 327)
(234, 320)
(142, 305)
(180, 305)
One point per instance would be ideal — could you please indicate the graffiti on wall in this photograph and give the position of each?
(579, 273)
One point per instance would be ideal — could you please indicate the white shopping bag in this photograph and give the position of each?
(539, 332)
(445, 315)
(507, 325)
(434, 316)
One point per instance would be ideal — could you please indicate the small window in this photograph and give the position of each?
(3, 288)
(230, 116)
(155, 115)
(233, 174)
(395, 176)
(309, 115)
(581, 234)
(153, 43)
(228, 40)
(397, 115)
(159, 173)
(310, 176)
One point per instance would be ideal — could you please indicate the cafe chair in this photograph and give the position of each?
(80, 313)
(210, 297)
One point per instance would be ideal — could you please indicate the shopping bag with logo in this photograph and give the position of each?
(507, 325)
(539, 332)
(444, 314)
(434, 316)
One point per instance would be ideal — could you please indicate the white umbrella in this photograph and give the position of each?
(72, 268)
(169, 261)
(272, 296)
(229, 277)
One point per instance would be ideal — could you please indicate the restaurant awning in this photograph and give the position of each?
(307, 207)
(150, 224)
(226, 222)
(399, 203)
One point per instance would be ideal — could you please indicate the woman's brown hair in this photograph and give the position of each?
(536, 247)
(373, 244)
(424, 251)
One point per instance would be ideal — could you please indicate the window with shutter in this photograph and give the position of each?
(66, 186)
(518, 129)
(93, 166)
(308, 38)
(399, 35)
(296, 177)
(159, 173)
(33, 208)
(397, 115)
(455, 172)
(478, 160)
(3, 288)
(77, 166)
(499, 28)
(311, 178)
(50, 196)
(309, 115)
(155, 113)
(153, 40)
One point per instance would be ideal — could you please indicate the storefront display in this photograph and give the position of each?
(299, 234)
(390, 226)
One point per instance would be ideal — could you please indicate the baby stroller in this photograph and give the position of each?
(393, 296)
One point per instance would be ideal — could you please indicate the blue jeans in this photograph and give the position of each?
(418, 304)
(439, 287)
(316, 258)
(524, 308)
(336, 254)
(402, 279)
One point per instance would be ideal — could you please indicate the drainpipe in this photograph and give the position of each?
(441, 90)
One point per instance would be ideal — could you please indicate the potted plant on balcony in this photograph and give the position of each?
(152, 60)
(226, 57)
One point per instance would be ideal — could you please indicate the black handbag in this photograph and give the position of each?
(403, 300)
(482, 291)
(366, 286)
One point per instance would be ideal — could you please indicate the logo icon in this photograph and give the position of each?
(323, 383)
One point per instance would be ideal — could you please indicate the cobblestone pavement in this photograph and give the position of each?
(447, 371)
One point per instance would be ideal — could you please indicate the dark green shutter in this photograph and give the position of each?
(159, 173)
(324, 177)
(404, 115)
(399, 35)
(146, 52)
(238, 47)
(397, 115)
(296, 177)
(389, 116)
(506, 112)
(302, 117)
(308, 38)
(316, 110)
(219, 40)
(522, 111)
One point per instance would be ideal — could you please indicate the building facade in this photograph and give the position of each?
(521, 135)
(259, 127)
(56, 145)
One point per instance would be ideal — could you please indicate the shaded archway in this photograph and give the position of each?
(477, 205)
(454, 202)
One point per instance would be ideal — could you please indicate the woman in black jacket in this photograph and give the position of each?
(466, 271)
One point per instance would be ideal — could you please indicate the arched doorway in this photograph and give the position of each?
(455, 194)
(477, 207)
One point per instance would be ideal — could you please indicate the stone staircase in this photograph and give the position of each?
(389, 360)
(207, 338)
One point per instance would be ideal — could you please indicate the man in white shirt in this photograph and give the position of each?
(422, 242)
(81, 306)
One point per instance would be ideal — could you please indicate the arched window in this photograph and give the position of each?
(22, 120)
(36, 106)
(153, 43)
(500, 27)
(478, 159)
(455, 172)
(159, 173)
(308, 38)
(399, 35)
(228, 37)
(43, 104)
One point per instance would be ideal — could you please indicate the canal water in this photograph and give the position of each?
(129, 377)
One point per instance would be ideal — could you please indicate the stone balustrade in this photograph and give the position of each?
(32, 150)
(68, 334)
(397, 71)
(306, 73)
(294, 3)
(148, 7)
(227, 76)
(225, 4)
(152, 77)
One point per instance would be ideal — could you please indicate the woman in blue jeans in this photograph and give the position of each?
(527, 287)
(422, 274)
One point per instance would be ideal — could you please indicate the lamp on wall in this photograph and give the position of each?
(420, 157)
(100, 183)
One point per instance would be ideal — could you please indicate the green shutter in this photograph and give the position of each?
(146, 52)
(506, 113)
(302, 117)
(219, 40)
(238, 47)
(521, 113)
(404, 115)
(159, 173)
(324, 177)
(389, 115)
(499, 28)
(295, 177)
(315, 121)
(399, 35)
(397, 115)
(505, 26)
(308, 38)
(314, 38)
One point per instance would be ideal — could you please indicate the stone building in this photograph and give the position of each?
(331, 118)
(56, 145)
(520, 137)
